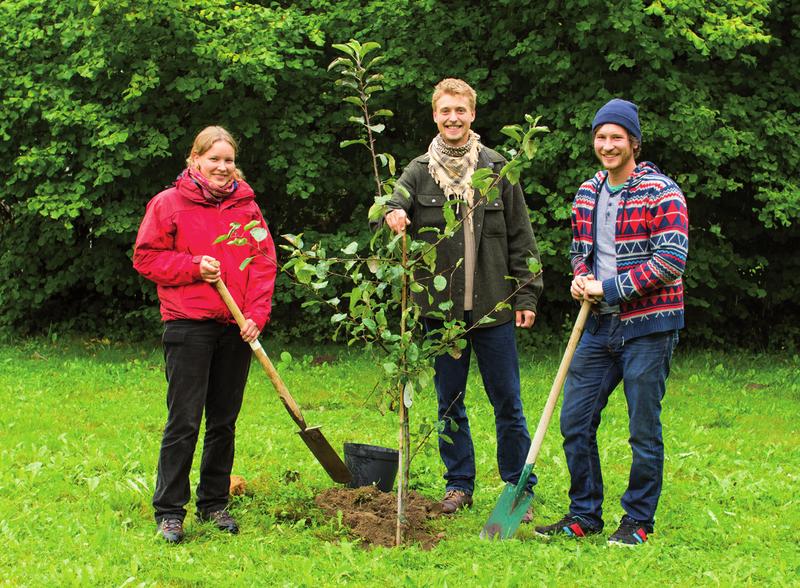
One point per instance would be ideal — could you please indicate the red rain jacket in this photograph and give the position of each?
(178, 228)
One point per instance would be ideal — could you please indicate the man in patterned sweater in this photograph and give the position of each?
(630, 240)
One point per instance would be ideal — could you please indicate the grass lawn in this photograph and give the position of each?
(80, 428)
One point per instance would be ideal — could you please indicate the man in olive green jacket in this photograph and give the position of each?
(494, 241)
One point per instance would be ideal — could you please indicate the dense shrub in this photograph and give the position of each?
(101, 100)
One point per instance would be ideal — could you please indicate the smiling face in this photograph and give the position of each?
(218, 164)
(614, 149)
(453, 116)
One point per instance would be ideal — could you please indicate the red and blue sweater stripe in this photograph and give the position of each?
(652, 242)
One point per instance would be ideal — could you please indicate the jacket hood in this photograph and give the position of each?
(188, 189)
(640, 172)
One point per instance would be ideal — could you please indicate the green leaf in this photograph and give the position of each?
(349, 142)
(339, 61)
(251, 224)
(345, 49)
(408, 394)
(353, 100)
(220, 239)
(351, 248)
(382, 112)
(246, 262)
(377, 128)
(338, 317)
(534, 265)
(482, 178)
(376, 211)
(416, 287)
(295, 240)
(513, 131)
(259, 234)
(367, 47)
(439, 283)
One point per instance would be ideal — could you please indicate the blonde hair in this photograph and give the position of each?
(206, 138)
(455, 87)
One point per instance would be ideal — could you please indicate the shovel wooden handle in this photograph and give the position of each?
(552, 399)
(261, 355)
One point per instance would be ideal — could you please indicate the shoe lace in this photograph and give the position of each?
(628, 526)
(453, 494)
(171, 525)
(222, 517)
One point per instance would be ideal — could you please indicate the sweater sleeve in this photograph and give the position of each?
(577, 258)
(668, 225)
(154, 254)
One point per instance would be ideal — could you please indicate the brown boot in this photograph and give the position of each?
(454, 500)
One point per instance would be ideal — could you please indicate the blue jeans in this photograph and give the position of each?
(603, 359)
(496, 350)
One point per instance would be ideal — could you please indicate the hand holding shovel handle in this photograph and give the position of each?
(515, 499)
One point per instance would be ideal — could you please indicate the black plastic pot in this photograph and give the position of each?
(371, 464)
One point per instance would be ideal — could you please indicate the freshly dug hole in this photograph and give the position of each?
(372, 515)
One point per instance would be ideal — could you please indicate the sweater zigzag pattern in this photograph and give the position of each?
(652, 242)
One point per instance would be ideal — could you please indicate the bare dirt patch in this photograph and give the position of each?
(372, 515)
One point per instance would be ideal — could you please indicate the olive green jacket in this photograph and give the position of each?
(504, 242)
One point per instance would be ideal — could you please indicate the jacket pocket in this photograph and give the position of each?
(494, 219)
(429, 211)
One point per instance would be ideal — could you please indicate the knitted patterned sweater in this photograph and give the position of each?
(652, 241)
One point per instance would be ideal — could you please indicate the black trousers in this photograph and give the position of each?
(206, 367)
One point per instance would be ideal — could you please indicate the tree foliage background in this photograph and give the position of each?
(101, 99)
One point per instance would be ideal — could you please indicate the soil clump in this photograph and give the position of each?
(371, 515)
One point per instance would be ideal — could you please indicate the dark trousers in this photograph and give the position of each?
(206, 367)
(496, 350)
(602, 360)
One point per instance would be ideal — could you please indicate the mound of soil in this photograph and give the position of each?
(372, 515)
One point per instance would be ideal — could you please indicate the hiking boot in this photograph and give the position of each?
(630, 533)
(171, 530)
(455, 499)
(571, 525)
(222, 519)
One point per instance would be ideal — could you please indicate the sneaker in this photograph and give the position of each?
(171, 530)
(454, 500)
(222, 519)
(630, 533)
(571, 525)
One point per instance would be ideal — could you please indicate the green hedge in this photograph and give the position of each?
(101, 100)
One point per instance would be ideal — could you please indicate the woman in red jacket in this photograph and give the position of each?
(207, 356)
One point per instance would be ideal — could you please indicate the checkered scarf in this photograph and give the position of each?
(452, 168)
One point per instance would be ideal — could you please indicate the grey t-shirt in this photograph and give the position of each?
(605, 251)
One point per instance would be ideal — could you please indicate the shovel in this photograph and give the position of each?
(515, 499)
(312, 436)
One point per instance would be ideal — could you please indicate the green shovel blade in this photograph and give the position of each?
(511, 507)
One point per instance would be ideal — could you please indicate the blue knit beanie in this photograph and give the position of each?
(619, 112)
